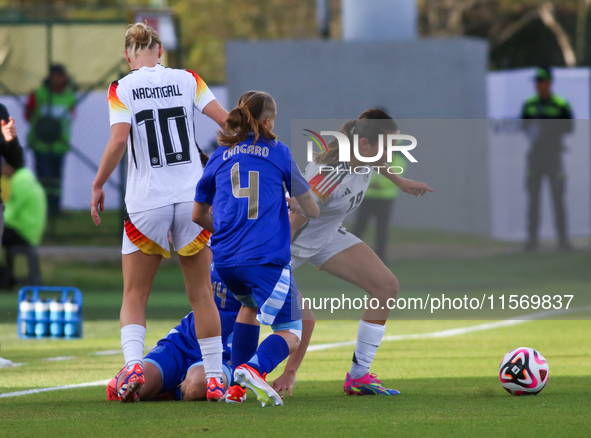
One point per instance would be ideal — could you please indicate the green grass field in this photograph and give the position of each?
(75, 227)
(449, 385)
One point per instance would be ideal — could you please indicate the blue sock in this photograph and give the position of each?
(245, 341)
(270, 353)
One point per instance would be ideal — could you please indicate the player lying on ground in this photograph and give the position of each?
(243, 185)
(324, 243)
(174, 368)
(146, 105)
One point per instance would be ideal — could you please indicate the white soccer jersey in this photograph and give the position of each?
(163, 161)
(338, 192)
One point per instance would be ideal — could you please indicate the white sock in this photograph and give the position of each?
(132, 344)
(211, 350)
(369, 338)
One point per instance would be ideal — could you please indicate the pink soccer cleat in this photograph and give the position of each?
(367, 385)
(112, 394)
(215, 390)
(130, 387)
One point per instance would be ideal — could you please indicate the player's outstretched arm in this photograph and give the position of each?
(202, 216)
(216, 112)
(286, 381)
(408, 185)
(111, 158)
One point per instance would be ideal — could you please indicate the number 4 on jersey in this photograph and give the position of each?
(251, 192)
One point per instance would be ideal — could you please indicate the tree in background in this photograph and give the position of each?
(520, 32)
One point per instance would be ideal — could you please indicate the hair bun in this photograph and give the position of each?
(140, 36)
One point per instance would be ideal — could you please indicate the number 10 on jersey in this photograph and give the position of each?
(165, 117)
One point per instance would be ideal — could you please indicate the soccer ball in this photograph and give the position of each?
(524, 371)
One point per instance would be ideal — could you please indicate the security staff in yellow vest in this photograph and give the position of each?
(49, 110)
(378, 202)
(547, 118)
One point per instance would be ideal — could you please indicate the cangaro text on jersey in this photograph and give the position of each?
(156, 92)
(246, 149)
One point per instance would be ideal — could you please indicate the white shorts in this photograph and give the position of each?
(148, 231)
(340, 242)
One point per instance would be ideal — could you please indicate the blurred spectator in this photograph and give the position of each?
(49, 110)
(378, 202)
(10, 149)
(25, 215)
(547, 117)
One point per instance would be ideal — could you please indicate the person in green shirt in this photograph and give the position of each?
(25, 212)
(378, 203)
(49, 111)
(546, 119)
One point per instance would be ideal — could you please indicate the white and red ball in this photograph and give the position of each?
(524, 371)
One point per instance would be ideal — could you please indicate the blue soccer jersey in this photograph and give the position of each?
(299, 184)
(245, 187)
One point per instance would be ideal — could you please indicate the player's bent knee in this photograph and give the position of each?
(194, 387)
(386, 289)
(394, 287)
(194, 390)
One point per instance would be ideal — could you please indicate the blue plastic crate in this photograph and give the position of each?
(63, 295)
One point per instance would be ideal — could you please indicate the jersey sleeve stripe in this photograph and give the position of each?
(331, 178)
(115, 104)
(196, 245)
(201, 87)
(322, 185)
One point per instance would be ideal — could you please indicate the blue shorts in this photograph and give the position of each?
(271, 288)
(174, 364)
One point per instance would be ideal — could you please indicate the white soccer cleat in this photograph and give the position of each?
(249, 377)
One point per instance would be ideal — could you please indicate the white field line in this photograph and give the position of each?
(55, 388)
(98, 353)
(319, 347)
(459, 331)
(114, 352)
(58, 358)
(108, 352)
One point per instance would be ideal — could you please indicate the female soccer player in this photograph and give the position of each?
(324, 243)
(243, 184)
(174, 368)
(151, 113)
